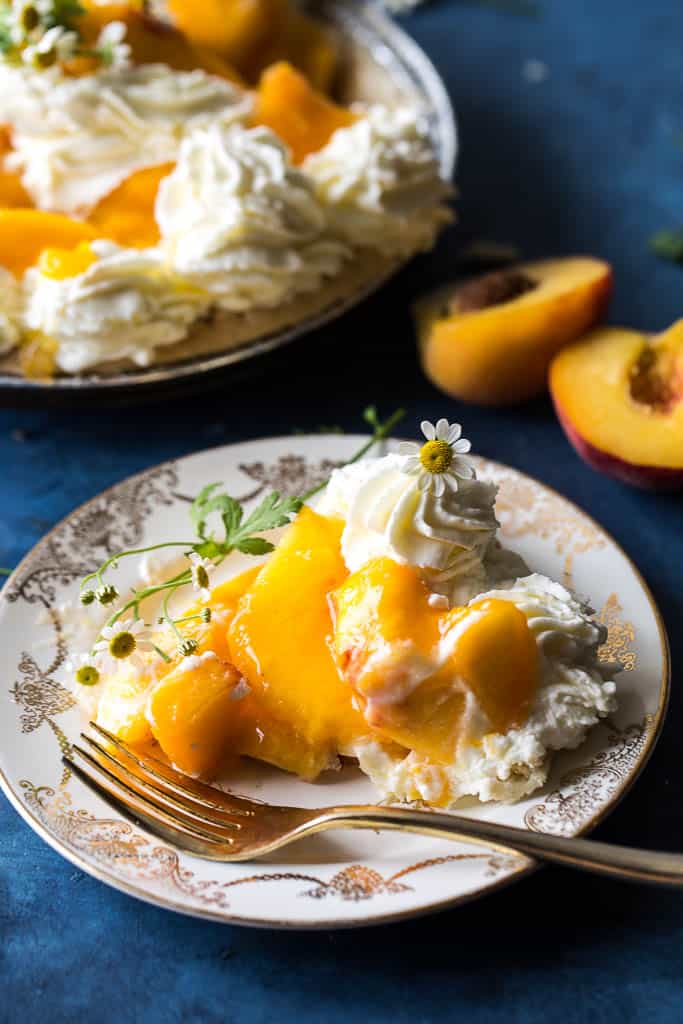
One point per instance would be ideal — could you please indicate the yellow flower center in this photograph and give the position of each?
(122, 645)
(87, 675)
(201, 576)
(436, 456)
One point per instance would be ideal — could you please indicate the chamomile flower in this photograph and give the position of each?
(55, 45)
(122, 642)
(110, 45)
(201, 567)
(83, 670)
(441, 460)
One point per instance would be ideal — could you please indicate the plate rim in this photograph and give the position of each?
(527, 867)
(89, 385)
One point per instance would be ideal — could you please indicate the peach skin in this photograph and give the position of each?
(491, 339)
(619, 397)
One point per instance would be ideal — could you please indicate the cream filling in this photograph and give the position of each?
(125, 305)
(236, 216)
(380, 182)
(76, 139)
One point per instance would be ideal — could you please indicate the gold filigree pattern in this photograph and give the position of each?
(583, 790)
(621, 635)
(525, 508)
(131, 855)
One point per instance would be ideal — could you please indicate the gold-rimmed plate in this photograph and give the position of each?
(343, 879)
(380, 63)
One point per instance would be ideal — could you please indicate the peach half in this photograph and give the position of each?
(491, 339)
(619, 397)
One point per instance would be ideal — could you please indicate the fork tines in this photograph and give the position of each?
(155, 794)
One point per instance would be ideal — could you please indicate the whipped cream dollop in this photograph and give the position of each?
(125, 305)
(576, 690)
(380, 182)
(450, 538)
(76, 139)
(10, 311)
(237, 216)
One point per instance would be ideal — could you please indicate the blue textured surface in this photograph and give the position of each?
(587, 160)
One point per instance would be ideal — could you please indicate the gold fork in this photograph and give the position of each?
(224, 827)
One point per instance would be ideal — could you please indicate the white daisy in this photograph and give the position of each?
(55, 45)
(122, 642)
(441, 459)
(201, 567)
(83, 670)
(111, 47)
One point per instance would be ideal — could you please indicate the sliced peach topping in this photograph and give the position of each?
(302, 117)
(386, 641)
(303, 42)
(151, 41)
(195, 713)
(24, 234)
(495, 654)
(126, 215)
(60, 264)
(280, 641)
(236, 29)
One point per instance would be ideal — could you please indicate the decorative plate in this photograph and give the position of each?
(380, 63)
(339, 879)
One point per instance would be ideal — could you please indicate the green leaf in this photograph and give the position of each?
(273, 512)
(198, 508)
(255, 546)
(669, 245)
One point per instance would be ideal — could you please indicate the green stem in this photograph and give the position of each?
(379, 434)
(134, 551)
(167, 616)
(141, 595)
(5, 572)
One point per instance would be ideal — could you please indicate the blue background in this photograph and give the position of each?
(588, 160)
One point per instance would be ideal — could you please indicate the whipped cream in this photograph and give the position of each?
(10, 311)
(124, 305)
(451, 538)
(76, 139)
(380, 182)
(575, 691)
(237, 216)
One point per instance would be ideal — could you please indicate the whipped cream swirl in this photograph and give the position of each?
(380, 182)
(125, 305)
(448, 537)
(76, 139)
(237, 216)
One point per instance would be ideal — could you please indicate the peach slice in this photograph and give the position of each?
(280, 642)
(306, 44)
(151, 41)
(236, 29)
(386, 637)
(195, 714)
(302, 117)
(126, 215)
(491, 340)
(619, 397)
(60, 264)
(24, 234)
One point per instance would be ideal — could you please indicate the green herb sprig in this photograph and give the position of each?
(221, 527)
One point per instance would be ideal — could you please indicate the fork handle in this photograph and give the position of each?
(622, 862)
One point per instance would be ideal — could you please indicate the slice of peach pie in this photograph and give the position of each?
(390, 626)
(172, 189)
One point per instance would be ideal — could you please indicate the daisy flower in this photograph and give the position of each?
(201, 567)
(110, 45)
(441, 459)
(83, 670)
(122, 642)
(55, 45)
